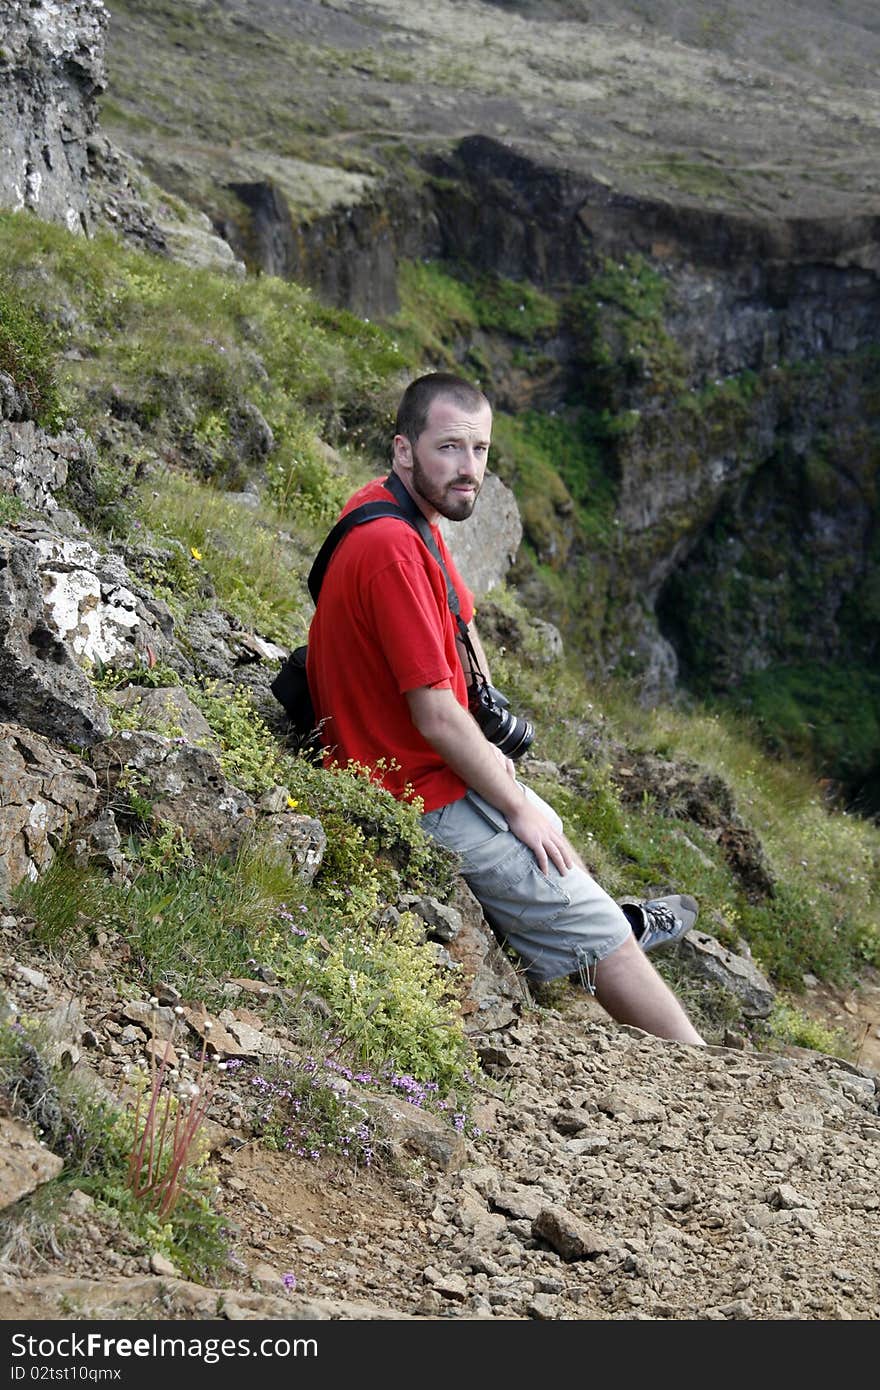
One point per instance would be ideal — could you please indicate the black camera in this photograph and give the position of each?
(491, 710)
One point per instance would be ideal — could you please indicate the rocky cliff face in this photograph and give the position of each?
(736, 360)
(51, 70)
(725, 343)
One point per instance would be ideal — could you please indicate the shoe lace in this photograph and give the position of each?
(660, 917)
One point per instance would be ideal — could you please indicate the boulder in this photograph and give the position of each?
(484, 547)
(64, 606)
(25, 1164)
(44, 792)
(34, 465)
(737, 974)
(167, 710)
(184, 785)
(492, 994)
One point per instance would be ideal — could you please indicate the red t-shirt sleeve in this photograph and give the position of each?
(404, 608)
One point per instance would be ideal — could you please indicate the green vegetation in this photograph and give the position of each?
(199, 923)
(27, 357)
(827, 715)
(189, 355)
(790, 1024)
(824, 912)
(440, 303)
(12, 509)
(95, 1137)
(700, 178)
(559, 465)
(619, 318)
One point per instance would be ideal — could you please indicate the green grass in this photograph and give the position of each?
(256, 572)
(28, 357)
(442, 303)
(196, 924)
(185, 353)
(824, 915)
(94, 1137)
(828, 715)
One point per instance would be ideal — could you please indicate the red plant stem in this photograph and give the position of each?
(150, 1121)
(174, 1178)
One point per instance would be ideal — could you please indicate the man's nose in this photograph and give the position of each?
(473, 463)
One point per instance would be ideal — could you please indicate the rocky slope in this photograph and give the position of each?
(616, 1177)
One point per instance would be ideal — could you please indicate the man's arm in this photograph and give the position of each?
(453, 734)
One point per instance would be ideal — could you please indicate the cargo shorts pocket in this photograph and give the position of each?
(514, 893)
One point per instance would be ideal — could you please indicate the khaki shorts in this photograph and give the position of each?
(558, 924)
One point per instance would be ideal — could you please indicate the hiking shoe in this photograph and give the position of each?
(660, 921)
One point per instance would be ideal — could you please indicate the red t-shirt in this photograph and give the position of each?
(382, 627)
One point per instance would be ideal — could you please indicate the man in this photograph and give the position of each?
(387, 681)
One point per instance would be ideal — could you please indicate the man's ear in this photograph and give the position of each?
(402, 450)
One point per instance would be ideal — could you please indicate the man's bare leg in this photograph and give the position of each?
(630, 990)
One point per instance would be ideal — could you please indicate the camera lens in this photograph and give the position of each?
(515, 737)
(510, 735)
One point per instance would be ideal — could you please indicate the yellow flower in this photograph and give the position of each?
(196, 554)
(291, 803)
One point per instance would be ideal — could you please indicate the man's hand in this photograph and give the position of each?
(530, 825)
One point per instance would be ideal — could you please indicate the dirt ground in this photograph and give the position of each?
(653, 1152)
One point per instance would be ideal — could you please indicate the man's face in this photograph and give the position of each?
(445, 468)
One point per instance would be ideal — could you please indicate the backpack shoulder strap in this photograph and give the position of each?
(368, 511)
(405, 510)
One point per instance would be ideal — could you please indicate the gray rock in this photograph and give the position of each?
(98, 842)
(414, 1131)
(484, 547)
(706, 957)
(492, 993)
(43, 792)
(53, 70)
(184, 785)
(443, 921)
(35, 465)
(64, 607)
(570, 1237)
(167, 710)
(159, 1022)
(520, 1202)
(297, 838)
(24, 1163)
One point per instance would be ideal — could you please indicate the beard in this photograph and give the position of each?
(450, 504)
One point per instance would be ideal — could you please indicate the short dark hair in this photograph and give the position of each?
(419, 396)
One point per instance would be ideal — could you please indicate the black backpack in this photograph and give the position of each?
(291, 687)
